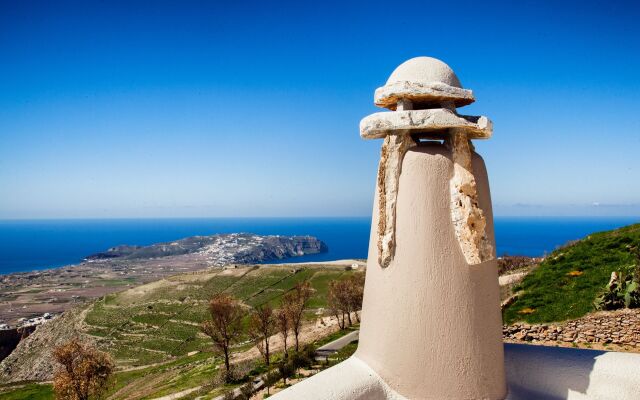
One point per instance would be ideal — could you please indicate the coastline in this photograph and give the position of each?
(36, 245)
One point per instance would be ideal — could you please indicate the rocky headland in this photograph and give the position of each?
(244, 248)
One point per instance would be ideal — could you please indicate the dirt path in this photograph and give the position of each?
(512, 278)
(178, 395)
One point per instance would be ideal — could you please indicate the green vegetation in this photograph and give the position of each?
(155, 381)
(32, 391)
(117, 282)
(567, 283)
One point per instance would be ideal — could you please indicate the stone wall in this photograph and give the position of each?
(607, 329)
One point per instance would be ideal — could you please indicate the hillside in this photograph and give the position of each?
(567, 282)
(152, 331)
(149, 323)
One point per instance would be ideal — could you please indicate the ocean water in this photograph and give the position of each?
(39, 244)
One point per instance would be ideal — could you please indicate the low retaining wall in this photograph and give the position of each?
(618, 328)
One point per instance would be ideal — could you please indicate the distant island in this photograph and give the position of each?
(28, 295)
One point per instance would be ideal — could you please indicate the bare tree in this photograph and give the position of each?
(335, 305)
(84, 371)
(261, 326)
(356, 293)
(225, 325)
(345, 298)
(343, 293)
(295, 303)
(282, 323)
(270, 379)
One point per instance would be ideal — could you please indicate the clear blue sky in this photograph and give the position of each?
(174, 109)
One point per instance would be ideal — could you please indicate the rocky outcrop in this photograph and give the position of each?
(379, 125)
(9, 339)
(620, 328)
(32, 360)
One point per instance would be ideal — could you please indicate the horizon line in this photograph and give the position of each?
(282, 217)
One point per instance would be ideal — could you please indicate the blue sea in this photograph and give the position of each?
(27, 245)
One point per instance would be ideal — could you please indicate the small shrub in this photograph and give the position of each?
(297, 361)
(309, 352)
(286, 370)
(246, 391)
(219, 378)
(240, 371)
(274, 376)
(271, 379)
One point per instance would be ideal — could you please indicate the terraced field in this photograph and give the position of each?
(159, 321)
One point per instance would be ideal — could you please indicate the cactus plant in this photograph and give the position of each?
(623, 291)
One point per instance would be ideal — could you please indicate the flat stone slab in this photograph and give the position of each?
(421, 93)
(379, 125)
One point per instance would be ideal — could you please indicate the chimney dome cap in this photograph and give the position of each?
(426, 81)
